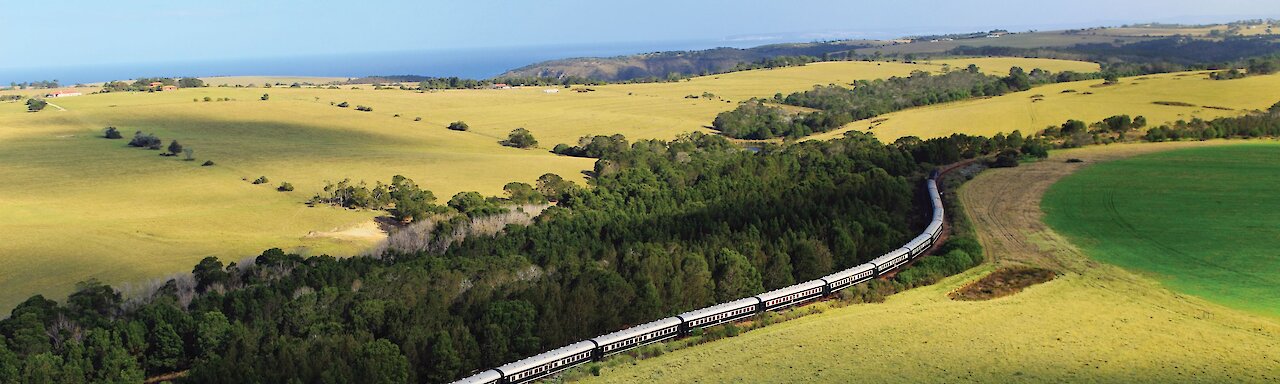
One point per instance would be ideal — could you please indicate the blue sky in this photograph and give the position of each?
(41, 33)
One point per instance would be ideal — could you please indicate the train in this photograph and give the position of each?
(555, 361)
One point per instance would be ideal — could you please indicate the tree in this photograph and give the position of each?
(520, 138)
(1110, 78)
(111, 133)
(189, 154)
(459, 126)
(190, 82)
(209, 272)
(380, 362)
(93, 301)
(175, 148)
(735, 277)
(552, 186)
(165, 349)
(522, 193)
(36, 105)
(212, 329)
(261, 180)
(285, 187)
(9, 365)
(265, 97)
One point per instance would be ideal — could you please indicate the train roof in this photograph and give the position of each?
(849, 272)
(481, 378)
(545, 357)
(789, 290)
(714, 309)
(637, 330)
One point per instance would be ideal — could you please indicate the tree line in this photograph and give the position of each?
(838, 105)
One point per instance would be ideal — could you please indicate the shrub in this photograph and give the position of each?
(111, 133)
(207, 163)
(520, 138)
(459, 126)
(148, 141)
(208, 99)
(175, 148)
(261, 180)
(35, 105)
(417, 119)
(364, 108)
(343, 105)
(285, 187)
(265, 97)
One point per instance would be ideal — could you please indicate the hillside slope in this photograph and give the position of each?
(1097, 323)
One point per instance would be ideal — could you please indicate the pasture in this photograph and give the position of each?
(1089, 101)
(1202, 221)
(77, 206)
(1096, 323)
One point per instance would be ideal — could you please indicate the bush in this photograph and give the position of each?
(35, 105)
(261, 180)
(148, 141)
(111, 133)
(364, 108)
(459, 126)
(520, 138)
(208, 99)
(285, 187)
(265, 97)
(207, 163)
(343, 105)
(417, 119)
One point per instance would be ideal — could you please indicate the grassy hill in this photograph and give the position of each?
(1096, 323)
(78, 206)
(1199, 220)
(1089, 101)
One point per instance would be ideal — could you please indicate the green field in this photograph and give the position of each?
(77, 206)
(1203, 221)
(1059, 102)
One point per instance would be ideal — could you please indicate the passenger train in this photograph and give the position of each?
(555, 361)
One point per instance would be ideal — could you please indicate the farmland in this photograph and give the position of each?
(1082, 100)
(1096, 323)
(1199, 220)
(78, 206)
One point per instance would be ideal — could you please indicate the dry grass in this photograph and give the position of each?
(1135, 97)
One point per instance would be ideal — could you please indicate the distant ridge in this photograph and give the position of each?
(663, 64)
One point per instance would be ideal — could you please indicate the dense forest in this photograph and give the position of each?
(838, 105)
(663, 227)
(1253, 125)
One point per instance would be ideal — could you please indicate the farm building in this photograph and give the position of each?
(62, 93)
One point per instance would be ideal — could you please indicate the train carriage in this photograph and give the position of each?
(844, 279)
(547, 363)
(891, 260)
(795, 294)
(643, 334)
(719, 314)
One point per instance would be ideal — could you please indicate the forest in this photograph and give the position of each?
(662, 228)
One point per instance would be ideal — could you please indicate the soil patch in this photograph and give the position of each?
(1003, 282)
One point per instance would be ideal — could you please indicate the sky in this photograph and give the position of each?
(58, 33)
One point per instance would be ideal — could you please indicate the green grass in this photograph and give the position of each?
(1202, 221)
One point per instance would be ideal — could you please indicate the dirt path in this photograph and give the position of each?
(59, 107)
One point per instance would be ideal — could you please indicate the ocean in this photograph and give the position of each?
(478, 63)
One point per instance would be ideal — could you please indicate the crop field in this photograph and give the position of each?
(77, 206)
(1096, 323)
(1202, 221)
(1088, 101)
